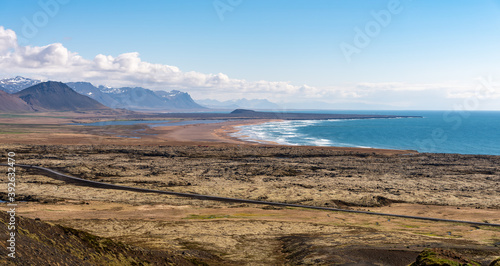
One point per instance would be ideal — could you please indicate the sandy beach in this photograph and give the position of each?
(221, 133)
(213, 133)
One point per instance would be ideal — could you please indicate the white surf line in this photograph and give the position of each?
(96, 184)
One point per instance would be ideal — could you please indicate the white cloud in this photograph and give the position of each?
(8, 40)
(56, 62)
(481, 92)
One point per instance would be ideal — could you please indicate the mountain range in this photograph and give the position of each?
(13, 85)
(48, 96)
(137, 98)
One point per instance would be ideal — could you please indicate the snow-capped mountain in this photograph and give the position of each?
(178, 99)
(110, 90)
(136, 98)
(169, 94)
(128, 98)
(13, 85)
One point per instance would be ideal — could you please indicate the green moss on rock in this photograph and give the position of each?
(442, 257)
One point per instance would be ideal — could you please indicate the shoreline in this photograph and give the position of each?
(41, 129)
(209, 132)
(226, 132)
(35, 131)
(220, 133)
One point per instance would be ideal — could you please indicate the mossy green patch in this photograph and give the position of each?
(438, 257)
(410, 226)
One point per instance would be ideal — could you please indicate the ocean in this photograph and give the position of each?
(463, 132)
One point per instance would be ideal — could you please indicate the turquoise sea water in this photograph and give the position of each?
(462, 132)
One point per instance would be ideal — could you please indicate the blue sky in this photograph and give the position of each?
(429, 55)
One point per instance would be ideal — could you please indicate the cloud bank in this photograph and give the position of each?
(54, 61)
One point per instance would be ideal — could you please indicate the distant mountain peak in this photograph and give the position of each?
(12, 85)
(132, 98)
(110, 90)
(172, 93)
(137, 98)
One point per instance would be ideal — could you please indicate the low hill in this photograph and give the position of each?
(57, 96)
(11, 103)
(243, 111)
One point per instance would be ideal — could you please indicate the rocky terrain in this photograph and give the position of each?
(310, 176)
(462, 187)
